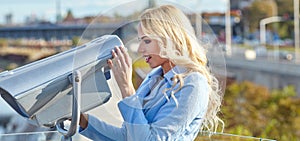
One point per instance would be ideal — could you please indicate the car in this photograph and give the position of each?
(261, 51)
(285, 55)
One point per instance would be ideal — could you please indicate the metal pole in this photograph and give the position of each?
(151, 3)
(198, 22)
(296, 30)
(262, 27)
(199, 19)
(262, 32)
(228, 29)
(76, 104)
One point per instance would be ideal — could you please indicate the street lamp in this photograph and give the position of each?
(262, 27)
(228, 28)
(199, 19)
(296, 30)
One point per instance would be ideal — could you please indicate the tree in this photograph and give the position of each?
(286, 7)
(75, 41)
(259, 10)
(3, 42)
(286, 10)
(253, 110)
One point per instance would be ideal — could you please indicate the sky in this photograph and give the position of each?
(46, 9)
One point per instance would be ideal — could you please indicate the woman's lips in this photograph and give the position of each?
(147, 58)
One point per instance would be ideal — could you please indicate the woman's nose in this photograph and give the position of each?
(141, 48)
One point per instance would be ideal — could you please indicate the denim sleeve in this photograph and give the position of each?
(98, 130)
(170, 122)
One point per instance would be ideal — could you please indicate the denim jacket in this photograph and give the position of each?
(156, 111)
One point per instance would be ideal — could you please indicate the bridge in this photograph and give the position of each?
(264, 72)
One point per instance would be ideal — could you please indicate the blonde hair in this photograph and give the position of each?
(177, 40)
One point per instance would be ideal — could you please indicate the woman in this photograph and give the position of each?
(177, 99)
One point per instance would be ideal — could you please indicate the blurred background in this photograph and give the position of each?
(257, 58)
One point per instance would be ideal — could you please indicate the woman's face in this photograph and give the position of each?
(150, 50)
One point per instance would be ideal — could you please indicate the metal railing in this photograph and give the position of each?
(55, 136)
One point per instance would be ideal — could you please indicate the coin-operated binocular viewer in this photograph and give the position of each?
(57, 88)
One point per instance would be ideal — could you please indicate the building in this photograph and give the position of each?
(8, 19)
(50, 31)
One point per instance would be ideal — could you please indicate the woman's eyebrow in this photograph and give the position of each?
(141, 38)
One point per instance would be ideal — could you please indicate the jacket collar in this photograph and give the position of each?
(157, 72)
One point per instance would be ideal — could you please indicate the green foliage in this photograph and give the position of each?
(253, 110)
(3, 42)
(259, 10)
(285, 7)
(75, 40)
(11, 66)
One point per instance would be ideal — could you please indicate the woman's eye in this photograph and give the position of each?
(147, 41)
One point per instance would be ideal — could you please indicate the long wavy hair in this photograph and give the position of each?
(178, 43)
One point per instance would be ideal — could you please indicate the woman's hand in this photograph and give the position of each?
(83, 122)
(121, 65)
